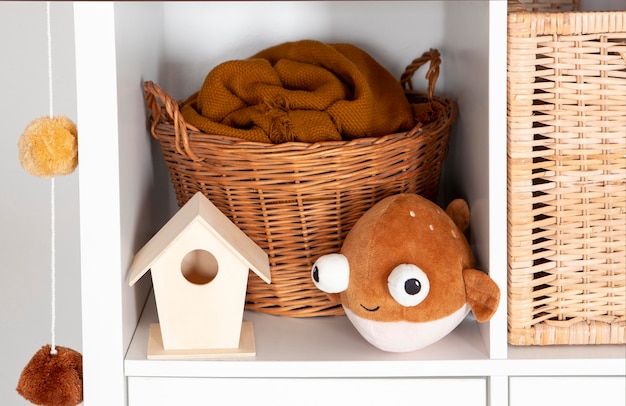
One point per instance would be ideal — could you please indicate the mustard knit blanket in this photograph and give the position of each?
(305, 91)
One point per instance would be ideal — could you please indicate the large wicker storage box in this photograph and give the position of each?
(298, 200)
(567, 177)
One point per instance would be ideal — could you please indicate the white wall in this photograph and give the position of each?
(232, 30)
(25, 308)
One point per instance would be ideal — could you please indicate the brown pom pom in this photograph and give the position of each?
(53, 379)
(49, 147)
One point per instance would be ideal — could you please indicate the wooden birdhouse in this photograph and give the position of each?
(199, 262)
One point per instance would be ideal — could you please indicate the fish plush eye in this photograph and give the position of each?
(408, 285)
(331, 273)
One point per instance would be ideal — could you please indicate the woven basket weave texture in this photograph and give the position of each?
(566, 177)
(298, 200)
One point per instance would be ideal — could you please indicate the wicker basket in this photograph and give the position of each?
(567, 177)
(298, 200)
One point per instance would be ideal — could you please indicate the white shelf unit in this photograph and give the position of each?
(125, 196)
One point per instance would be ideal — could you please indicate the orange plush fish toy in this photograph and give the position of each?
(405, 274)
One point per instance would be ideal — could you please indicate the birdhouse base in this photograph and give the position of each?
(246, 347)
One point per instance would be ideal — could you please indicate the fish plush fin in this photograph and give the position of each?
(459, 212)
(482, 293)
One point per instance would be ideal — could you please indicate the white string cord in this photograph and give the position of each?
(53, 348)
(49, 35)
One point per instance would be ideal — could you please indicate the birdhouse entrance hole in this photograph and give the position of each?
(199, 267)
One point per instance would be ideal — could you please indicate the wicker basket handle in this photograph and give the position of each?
(432, 74)
(153, 93)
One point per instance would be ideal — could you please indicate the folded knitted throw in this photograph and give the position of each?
(305, 91)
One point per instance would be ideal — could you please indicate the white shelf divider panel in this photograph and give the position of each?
(121, 193)
(317, 347)
(542, 391)
(327, 347)
(307, 392)
(103, 344)
(497, 173)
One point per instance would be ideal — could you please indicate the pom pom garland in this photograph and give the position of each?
(48, 147)
(50, 379)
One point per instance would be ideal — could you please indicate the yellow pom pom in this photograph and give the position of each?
(49, 147)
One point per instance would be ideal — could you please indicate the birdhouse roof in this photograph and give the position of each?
(199, 208)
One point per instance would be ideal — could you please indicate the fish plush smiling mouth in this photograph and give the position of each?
(405, 274)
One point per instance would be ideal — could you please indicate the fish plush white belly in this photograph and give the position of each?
(405, 336)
